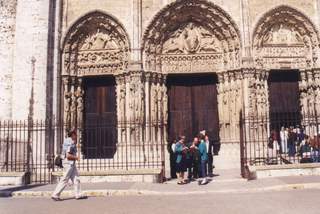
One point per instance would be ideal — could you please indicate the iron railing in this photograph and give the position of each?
(30, 146)
(280, 138)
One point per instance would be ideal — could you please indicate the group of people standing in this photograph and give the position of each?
(293, 142)
(195, 158)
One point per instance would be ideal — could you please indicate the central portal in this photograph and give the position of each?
(193, 106)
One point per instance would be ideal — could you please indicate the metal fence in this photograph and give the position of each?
(23, 148)
(280, 138)
(30, 146)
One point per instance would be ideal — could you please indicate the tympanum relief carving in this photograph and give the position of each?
(100, 53)
(96, 45)
(284, 38)
(191, 48)
(191, 37)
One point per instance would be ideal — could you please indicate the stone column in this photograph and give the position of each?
(147, 86)
(79, 93)
(238, 94)
(121, 107)
(73, 105)
(220, 89)
(303, 88)
(153, 107)
(66, 103)
(317, 93)
(165, 108)
(135, 105)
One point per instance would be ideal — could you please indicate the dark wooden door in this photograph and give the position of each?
(193, 106)
(284, 98)
(100, 118)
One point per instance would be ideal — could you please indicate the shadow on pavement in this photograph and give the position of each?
(7, 192)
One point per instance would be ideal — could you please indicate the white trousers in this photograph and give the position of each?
(284, 145)
(70, 172)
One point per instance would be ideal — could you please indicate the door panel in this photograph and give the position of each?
(192, 106)
(284, 98)
(100, 118)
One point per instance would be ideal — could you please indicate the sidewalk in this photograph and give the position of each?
(219, 184)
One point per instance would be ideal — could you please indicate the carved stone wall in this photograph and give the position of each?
(309, 87)
(230, 104)
(156, 107)
(7, 36)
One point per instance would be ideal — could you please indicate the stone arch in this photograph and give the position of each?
(177, 40)
(96, 44)
(285, 38)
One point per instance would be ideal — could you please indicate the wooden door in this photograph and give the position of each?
(100, 118)
(192, 106)
(284, 98)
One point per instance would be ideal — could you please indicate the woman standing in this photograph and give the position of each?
(181, 151)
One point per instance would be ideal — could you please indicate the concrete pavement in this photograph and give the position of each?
(280, 202)
(216, 185)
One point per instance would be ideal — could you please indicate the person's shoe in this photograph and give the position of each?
(81, 197)
(204, 181)
(55, 198)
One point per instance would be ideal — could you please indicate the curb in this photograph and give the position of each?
(106, 193)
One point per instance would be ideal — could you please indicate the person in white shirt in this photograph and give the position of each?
(284, 140)
(69, 154)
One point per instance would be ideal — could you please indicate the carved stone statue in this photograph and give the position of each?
(190, 39)
(66, 114)
(73, 109)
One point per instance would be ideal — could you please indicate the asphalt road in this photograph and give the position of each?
(285, 202)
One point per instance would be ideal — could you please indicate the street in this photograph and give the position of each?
(276, 202)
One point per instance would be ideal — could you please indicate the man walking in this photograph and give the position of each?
(69, 153)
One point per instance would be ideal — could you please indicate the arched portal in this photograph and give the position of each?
(95, 50)
(193, 37)
(286, 51)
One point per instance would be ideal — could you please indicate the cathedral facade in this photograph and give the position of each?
(156, 69)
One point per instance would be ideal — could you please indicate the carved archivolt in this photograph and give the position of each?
(285, 38)
(96, 45)
(191, 36)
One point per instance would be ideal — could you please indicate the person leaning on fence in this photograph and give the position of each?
(69, 154)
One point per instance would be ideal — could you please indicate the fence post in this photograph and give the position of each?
(7, 155)
(243, 158)
(29, 136)
(163, 164)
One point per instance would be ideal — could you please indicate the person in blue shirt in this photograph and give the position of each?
(203, 158)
